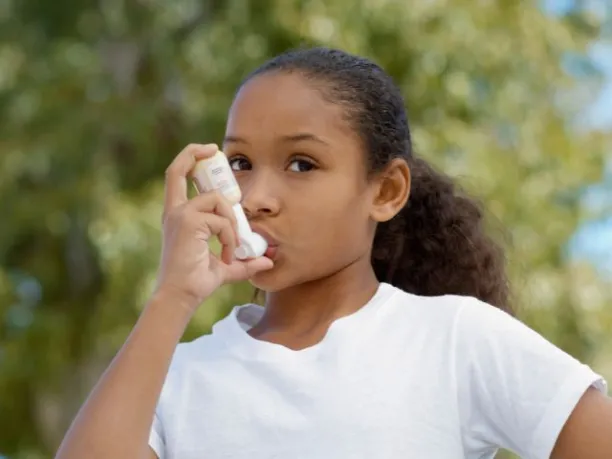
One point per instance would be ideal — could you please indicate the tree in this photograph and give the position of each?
(97, 97)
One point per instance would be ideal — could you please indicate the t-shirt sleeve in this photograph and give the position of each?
(515, 389)
(156, 437)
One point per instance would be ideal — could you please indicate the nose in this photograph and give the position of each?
(258, 197)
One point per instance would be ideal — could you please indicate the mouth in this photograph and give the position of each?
(272, 242)
(271, 252)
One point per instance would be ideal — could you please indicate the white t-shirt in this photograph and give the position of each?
(404, 377)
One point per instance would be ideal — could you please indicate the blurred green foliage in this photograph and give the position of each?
(96, 98)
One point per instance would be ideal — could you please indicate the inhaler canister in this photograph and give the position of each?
(215, 173)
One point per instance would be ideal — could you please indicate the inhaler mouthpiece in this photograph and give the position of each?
(252, 245)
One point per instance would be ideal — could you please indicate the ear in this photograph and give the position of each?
(391, 190)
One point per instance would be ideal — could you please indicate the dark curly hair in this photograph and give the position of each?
(437, 244)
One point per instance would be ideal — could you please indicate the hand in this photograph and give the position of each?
(188, 269)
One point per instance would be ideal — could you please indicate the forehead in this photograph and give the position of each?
(281, 103)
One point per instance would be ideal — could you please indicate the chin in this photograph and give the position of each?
(269, 281)
(281, 278)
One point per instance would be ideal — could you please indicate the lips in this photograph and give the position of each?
(271, 252)
(263, 233)
(272, 242)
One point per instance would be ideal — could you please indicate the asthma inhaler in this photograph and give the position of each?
(215, 173)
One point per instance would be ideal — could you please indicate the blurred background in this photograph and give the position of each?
(514, 98)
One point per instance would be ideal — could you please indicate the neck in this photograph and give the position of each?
(304, 312)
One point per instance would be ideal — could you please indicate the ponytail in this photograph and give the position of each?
(437, 244)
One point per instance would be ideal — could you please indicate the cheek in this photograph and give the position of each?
(327, 232)
(334, 224)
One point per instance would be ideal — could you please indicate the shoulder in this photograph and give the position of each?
(467, 316)
(430, 323)
(473, 330)
(516, 389)
(438, 311)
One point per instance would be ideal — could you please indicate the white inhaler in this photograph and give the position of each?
(215, 173)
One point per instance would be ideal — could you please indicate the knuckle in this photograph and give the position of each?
(190, 148)
(227, 208)
(232, 217)
(232, 224)
(225, 227)
(171, 170)
(179, 214)
(204, 200)
(175, 165)
(170, 216)
(189, 214)
(217, 195)
(227, 224)
(217, 198)
(221, 223)
(193, 149)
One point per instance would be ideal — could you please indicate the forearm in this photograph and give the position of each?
(115, 421)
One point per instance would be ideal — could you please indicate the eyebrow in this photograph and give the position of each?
(233, 139)
(299, 137)
(303, 136)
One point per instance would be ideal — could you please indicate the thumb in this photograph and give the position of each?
(242, 270)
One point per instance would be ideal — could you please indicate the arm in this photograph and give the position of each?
(588, 431)
(116, 419)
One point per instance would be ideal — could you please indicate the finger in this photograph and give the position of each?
(178, 171)
(215, 202)
(223, 229)
(242, 270)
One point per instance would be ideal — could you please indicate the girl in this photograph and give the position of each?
(386, 330)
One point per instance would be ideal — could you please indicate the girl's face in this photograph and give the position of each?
(302, 172)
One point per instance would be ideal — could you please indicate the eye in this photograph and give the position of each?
(301, 165)
(239, 163)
